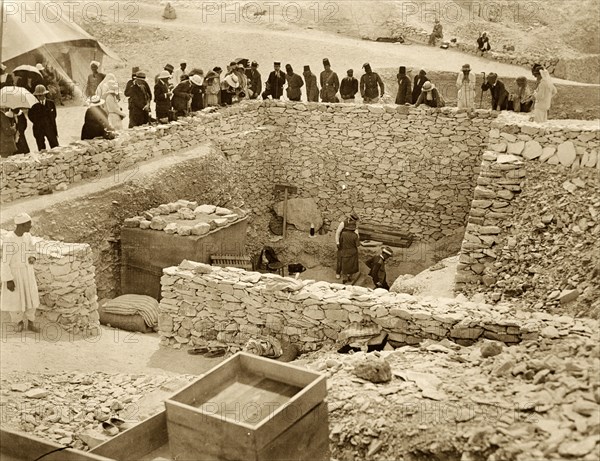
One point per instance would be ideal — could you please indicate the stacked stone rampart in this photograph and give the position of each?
(82, 161)
(555, 166)
(65, 275)
(203, 303)
(411, 168)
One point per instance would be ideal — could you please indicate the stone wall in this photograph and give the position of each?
(65, 276)
(202, 303)
(411, 168)
(82, 161)
(534, 217)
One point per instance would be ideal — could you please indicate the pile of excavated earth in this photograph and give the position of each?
(538, 400)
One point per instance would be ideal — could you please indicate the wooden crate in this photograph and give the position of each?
(143, 442)
(241, 261)
(19, 446)
(250, 408)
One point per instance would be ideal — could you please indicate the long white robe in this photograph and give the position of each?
(466, 91)
(543, 97)
(24, 299)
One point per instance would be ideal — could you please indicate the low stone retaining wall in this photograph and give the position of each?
(203, 303)
(65, 276)
(26, 175)
(515, 145)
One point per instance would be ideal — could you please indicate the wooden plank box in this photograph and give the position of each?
(143, 442)
(19, 446)
(250, 408)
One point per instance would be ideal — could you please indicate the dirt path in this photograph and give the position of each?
(112, 351)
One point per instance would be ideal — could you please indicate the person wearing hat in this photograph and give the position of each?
(430, 96)
(348, 252)
(377, 266)
(522, 100)
(498, 90)
(8, 133)
(19, 295)
(312, 89)
(129, 89)
(465, 84)
(371, 85)
(139, 101)
(182, 97)
(343, 224)
(213, 87)
(294, 84)
(254, 81)
(93, 79)
(404, 95)
(96, 123)
(111, 104)
(169, 68)
(21, 125)
(162, 96)
(483, 43)
(180, 72)
(275, 82)
(543, 93)
(436, 33)
(197, 90)
(349, 87)
(330, 83)
(419, 81)
(229, 84)
(43, 117)
(241, 91)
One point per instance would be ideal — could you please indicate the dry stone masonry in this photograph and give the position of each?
(185, 218)
(204, 303)
(535, 214)
(65, 275)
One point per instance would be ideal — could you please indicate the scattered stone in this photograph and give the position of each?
(37, 393)
(491, 349)
(566, 296)
(374, 369)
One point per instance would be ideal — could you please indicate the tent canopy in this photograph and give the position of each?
(48, 38)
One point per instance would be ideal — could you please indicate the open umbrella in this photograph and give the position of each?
(16, 97)
(26, 68)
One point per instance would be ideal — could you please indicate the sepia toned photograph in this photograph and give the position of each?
(310, 230)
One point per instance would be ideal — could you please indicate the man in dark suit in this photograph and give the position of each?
(254, 80)
(418, 85)
(275, 82)
(139, 101)
(498, 90)
(43, 117)
(128, 89)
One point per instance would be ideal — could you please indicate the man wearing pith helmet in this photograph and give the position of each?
(377, 265)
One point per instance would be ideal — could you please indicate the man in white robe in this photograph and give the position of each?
(465, 84)
(543, 94)
(19, 293)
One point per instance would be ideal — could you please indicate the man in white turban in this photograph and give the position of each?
(19, 294)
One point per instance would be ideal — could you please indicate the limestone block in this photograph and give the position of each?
(158, 223)
(171, 228)
(201, 229)
(547, 152)
(533, 149)
(515, 148)
(301, 213)
(205, 209)
(566, 153)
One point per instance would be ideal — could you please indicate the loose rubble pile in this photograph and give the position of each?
(535, 401)
(65, 275)
(185, 218)
(535, 212)
(201, 302)
(69, 408)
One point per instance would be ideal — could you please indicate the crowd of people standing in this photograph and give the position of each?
(178, 92)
